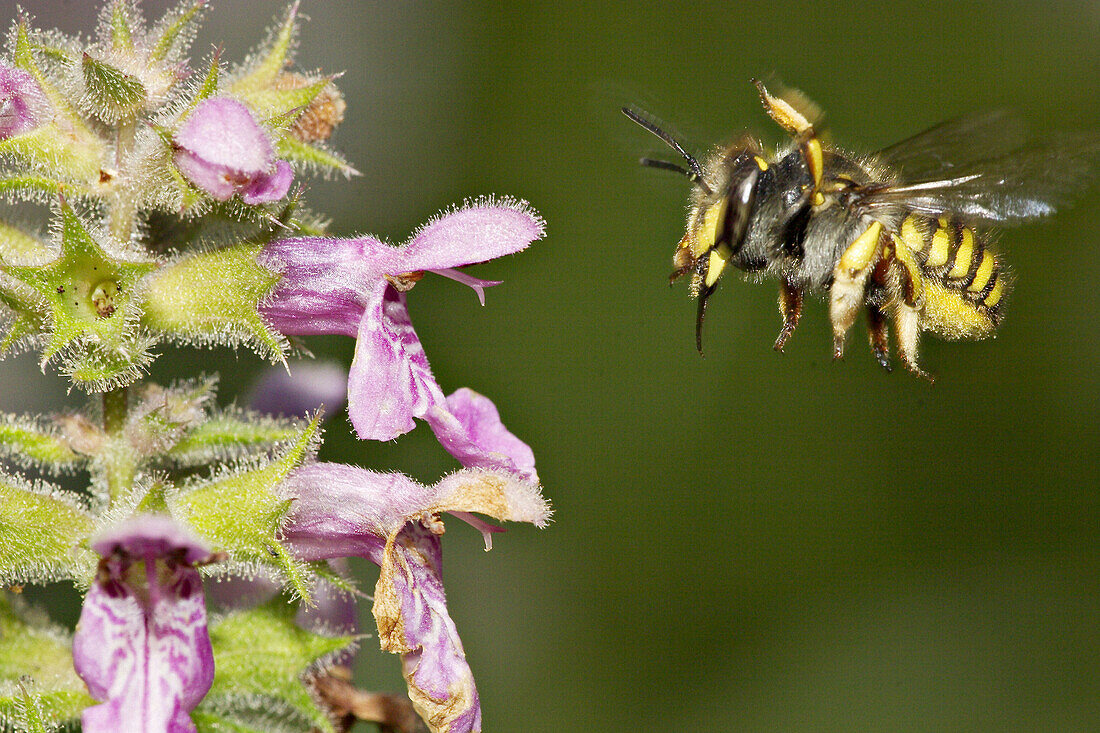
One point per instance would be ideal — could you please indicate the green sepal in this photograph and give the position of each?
(291, 148)
(233, 435)
(241, 512)
(39, 689)
(49, 148)
(210, 83)
(176, 26)
(272, 59)
(42, 531)
(121, 26)
(112, 93)
(281, 107)
(89, 297)
(213, 297)
(26, 442)
(70, 147)
(260, 657)
(30, 187)
(97, 368)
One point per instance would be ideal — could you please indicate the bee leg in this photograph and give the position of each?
(790, 307)
(848, 291)
(907, 286)
(880, 336)
(907, 325)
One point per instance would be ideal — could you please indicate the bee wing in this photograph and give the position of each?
(983, 169)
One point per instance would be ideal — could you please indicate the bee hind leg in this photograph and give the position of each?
(907, 325)
(790, 307)
(879, 334)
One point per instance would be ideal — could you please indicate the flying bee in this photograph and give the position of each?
(899, 233)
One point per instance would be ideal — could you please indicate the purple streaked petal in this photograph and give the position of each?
(390, 381)
(469, 427)
(475, 283)
(142, 644)
(302, 390)
(441, 684)
(482, 231)
(268, 187)
(393, 521)
(324, 284)
(22, 103)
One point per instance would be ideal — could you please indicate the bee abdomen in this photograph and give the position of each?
(964, 285)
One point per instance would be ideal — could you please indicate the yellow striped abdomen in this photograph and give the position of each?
(963, 284)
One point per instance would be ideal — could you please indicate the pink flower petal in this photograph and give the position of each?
(268, 187)
(390, 381)
(22, 104)
(482, 231)
(469, 427)
(223, 133)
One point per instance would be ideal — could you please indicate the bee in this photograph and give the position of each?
(901, 234)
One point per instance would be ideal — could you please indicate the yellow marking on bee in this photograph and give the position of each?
(760, 163)
(963, 255)
(985, 270)
(860, 252)
(716, 263)
(904, 255)
(941, 241)
(706, 235)
(996, 293)
(911, 234)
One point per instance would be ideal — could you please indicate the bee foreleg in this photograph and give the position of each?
(790, 307)
(847, 293)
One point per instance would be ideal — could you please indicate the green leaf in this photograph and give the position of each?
(42, 531)
(233, 435)
(272, 60)
(27, 441)
(121, 26)
(213, 297)
(39, 689)
(297, 151)
(241, 512)
(261, 654)
(112, 93)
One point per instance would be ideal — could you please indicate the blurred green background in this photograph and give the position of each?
(745, 541)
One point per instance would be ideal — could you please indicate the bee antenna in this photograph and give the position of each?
(696, 171)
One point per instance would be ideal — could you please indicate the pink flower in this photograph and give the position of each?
(357, 287)
(395, 522)
(142, 644)
(22, 103)
(223, 150)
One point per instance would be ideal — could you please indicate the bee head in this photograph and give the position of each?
(717, 227)
(720, 218)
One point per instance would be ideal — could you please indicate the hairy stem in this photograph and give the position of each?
(118, 464)
(123, 208)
